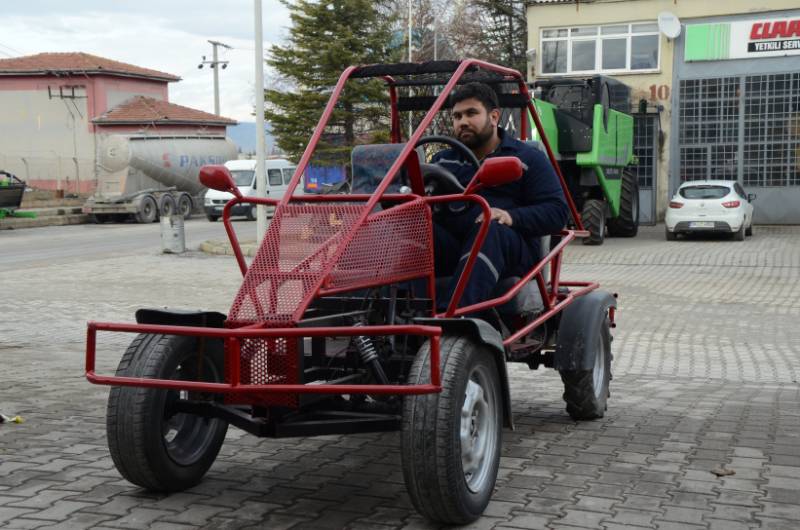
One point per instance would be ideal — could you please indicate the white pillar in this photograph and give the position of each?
(261, 172)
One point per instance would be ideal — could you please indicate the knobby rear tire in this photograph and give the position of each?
(586, 392)
(593, 216)
(626, 224)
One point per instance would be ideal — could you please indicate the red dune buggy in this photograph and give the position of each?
(335, 328)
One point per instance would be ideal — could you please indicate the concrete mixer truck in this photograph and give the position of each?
(144, 177)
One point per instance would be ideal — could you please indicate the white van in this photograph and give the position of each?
(279, 173)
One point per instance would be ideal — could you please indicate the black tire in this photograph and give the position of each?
(739, 234)
(626, 224)
(442, 434)
(148, 448)
(593, 216)
(99, 219)
(749, 230)
(148, 210)
(586, 391)
(671, 236)
(185, 206)
(252, 212)
(212, 218)
(167, 206)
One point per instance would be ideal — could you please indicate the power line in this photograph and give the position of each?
(6, 46)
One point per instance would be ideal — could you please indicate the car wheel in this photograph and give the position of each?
(450, 442)
(252, 213)
(739, 234)
(749, 230)
(671, 236)
(212, 218)
(151, 444)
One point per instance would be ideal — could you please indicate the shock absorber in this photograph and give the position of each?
(369, 356)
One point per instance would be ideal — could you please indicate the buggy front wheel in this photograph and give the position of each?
(450, 442)
(151, 444)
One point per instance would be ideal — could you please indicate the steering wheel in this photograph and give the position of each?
(438, 180)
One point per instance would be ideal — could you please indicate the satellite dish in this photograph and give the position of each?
(669, 24)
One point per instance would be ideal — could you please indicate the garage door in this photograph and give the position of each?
(745, 128)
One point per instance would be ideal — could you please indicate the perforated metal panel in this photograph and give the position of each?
(320, 246)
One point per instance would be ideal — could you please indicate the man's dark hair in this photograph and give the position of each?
(480, 91)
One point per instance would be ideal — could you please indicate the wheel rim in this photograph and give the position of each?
(599, 369)
(187, 437)
(479, 429)
(147, 209)
(185, 207)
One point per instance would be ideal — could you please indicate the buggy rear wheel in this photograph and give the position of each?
(586, 391)
(151, 445)
(450, 442)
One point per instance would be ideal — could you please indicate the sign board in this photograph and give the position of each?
(743, 39)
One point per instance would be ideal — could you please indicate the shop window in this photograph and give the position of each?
(595, 49)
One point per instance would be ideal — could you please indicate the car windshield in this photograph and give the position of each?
(243, 177)
(704, 192)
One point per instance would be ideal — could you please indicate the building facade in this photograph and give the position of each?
(56, 110)
(721, 100)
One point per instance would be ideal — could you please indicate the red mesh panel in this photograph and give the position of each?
(291, 261)
(391, 245)
(298, 256)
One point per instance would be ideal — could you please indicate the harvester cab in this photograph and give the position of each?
(335, 328)
(589, 125)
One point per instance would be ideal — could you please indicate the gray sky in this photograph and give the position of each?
(166, 35)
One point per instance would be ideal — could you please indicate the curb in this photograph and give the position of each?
(11, 223)
(223, 248)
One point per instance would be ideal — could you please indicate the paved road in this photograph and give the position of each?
(32, 247)
(706, 374)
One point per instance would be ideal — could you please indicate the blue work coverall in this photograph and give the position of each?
(537, 207)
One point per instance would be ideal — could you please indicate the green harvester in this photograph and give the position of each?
(588, 124)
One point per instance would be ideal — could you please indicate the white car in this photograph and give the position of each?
(710, 206)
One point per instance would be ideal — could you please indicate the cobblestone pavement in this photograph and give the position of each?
(707, 361)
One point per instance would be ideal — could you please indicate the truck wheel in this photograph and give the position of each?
(593, 216)
(151, 447)
(148, 210)
(98, 218)
(185, 205)
(450, 441)
(167, 206)
(586, 391)
(627, 223)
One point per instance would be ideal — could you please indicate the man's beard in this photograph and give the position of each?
(477, 139)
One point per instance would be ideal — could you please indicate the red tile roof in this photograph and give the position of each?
(76, 63)
(141, 109)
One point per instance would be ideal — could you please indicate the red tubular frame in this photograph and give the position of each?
(553, 300)
(233, 336)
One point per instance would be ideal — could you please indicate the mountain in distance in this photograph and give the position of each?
(243, 135)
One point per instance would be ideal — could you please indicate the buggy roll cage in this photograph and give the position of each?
(270, 325)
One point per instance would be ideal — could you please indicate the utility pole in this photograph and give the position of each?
(214, 64)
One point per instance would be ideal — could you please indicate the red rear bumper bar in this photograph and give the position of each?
(232, 359)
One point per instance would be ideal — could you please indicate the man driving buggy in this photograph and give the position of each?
(521, 211)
